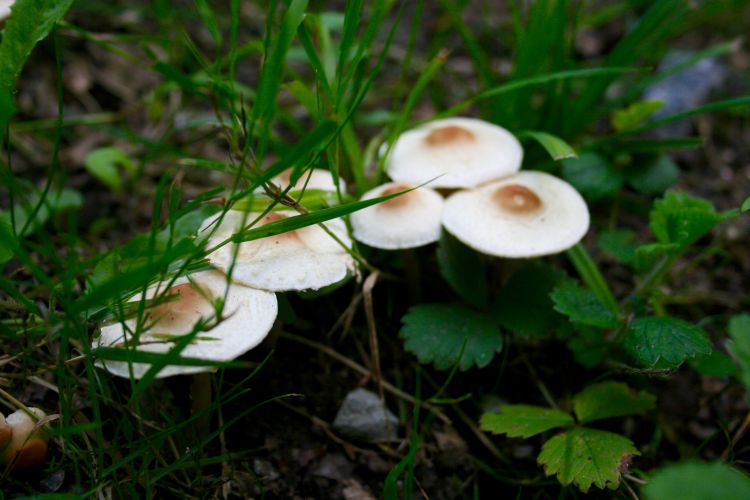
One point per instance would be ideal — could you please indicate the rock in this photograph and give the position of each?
(684, 90)
(363, 417)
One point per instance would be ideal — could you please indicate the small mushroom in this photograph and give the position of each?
(248, 316)
(5, 6)
(5, 433)
(406, 221)
(27, 448)
(455, 152)
(526, 215)
(305, 259)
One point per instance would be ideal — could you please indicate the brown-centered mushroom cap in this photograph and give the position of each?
(406, 221)
(525, 215)
(455, 152)
(248, 316)
(27, 448)
(305, 259)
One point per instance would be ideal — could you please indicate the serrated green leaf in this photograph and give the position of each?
(524, 420)
(582, 306)
(653, 175)
(463, 269)
(635, 114)
(715, 364)
(621, 243)
(557, 148)
(437, 333)
(105, 165)
(593, 176)
(664, 341)
(698, 481)
(524, 306)
(586, 457)
(30, 22)
(682, 219)
(610, 399)
(739, 332)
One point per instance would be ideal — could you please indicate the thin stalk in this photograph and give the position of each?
(591, 276)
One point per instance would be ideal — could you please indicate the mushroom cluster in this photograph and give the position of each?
(497, 210)
(23, 442)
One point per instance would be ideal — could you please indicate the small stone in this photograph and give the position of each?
(364, 417)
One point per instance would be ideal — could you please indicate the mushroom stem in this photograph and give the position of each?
(200, 402)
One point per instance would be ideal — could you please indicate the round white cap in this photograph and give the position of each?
(5, 6)
(456, 152)
(406, 221)
(248, 316)
(305, 259)
(525, 215)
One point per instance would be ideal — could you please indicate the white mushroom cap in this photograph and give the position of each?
(456, 152)
(406, 221)
(525, 215)
(248, 317)
(28, 444)
(305, 259)
(5, 6)
(5, 433)
(319, 179)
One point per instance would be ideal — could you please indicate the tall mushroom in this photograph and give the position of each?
(525, 215)
(27, 446)
(455, 152)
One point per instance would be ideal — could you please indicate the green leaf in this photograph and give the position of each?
(682, 219)
(524, 306)
(739, 332)
(105, 164)
(557, 148)
(586, 456)
(653, 175)
(610, 399)
(621, 243)
(715, 364)
(635, 114)
(30, 22)
(463, 269)
(439, 333)
(664, 341)
(646, 256)
(524, 420)
(745, 207)
(582, 306)
(698, 481)
(55, 201)
(593, 176)
(588, 345)
(7, 241)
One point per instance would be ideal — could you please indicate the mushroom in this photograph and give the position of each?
(304, 259)
(5, 433)
(406, 221)
(315, 178)
(526, 215)
(248, 317)
(5, 6)
(455, 152)
(27, 447)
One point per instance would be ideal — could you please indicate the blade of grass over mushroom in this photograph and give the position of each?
(133, 356)
(557, 148)
(591, 276)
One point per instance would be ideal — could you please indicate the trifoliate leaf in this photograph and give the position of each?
(524, 420)
(682, 219)
(437, 333)
(582, 306)
(105, 164)
(621, 243)
(664, 341)
(586, 456)
(634, 115)
(592, 175)
(523, 306)
(463, 269)
(610, 399)
(652, 174)
(739, 331)
(715, 364)
(698, 481)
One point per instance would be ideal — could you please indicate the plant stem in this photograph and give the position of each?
(590, 274)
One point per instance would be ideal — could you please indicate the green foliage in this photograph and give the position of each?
(593, 176)
(664, 342)
(715, 364)
(557, 148)
(582, 306)
(35, 210)
(463, 269)
(7, 241)
(105, 165)
(652, 174)
(621, 243)
(610, 399)
(745, 207)
(681, 219)
(635, 114)
(523, 420)
(441, 333)
(523, 305)
(587, 457)
(739, 332)
(698, 481)
(31, 22)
